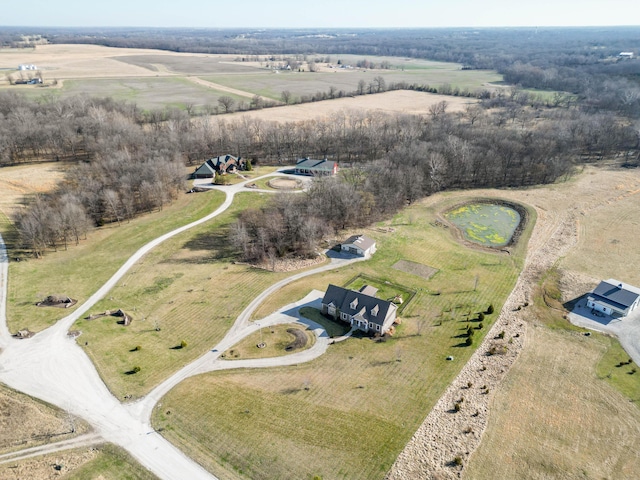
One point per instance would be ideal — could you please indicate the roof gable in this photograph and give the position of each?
(364, 304)
(617, 292)
(361, 241)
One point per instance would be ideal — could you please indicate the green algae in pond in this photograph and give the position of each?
(486, 224)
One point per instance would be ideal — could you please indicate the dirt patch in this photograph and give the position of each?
(300, 339)
(414, 268)
(281, 183)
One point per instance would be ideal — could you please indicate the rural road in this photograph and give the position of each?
(51, 366)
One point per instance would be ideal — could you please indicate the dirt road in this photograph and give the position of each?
(52, 367)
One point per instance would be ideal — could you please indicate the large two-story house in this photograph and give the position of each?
(360, 309)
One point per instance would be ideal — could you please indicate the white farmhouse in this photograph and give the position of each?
(614, 298)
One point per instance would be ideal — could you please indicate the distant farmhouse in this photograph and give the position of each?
(316, 168)
(27, 67)
(359, 245)
(360, 309)
(221, 165)
(614, 298)
(626, 55)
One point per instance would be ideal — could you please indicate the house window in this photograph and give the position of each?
(378, 327)
(354, 304)
(344, 316)
(375, 310)
(370, 324)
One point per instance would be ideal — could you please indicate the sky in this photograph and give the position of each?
(317, 14)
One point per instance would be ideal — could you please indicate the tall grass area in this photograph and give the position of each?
(554, 414)
(79, 271)
(349, 413)
(187, 289)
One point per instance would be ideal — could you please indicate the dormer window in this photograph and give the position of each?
(353, 304)
(375, 310)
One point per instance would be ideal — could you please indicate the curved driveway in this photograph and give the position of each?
(52, 367)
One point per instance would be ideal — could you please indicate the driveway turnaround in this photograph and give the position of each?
(52, 367)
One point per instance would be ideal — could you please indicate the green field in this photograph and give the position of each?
(270, 84)
(79, 271)
(147, 93)
(188, 287)
(326, 417)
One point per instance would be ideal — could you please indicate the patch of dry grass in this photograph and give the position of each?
(103, 462)
(26, 422)
(554, 418)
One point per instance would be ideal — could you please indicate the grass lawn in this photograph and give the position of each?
(361, 396)
(334, 328)
(386, 289)
(79, 271)
(190, 289)
(276, 340)
(112, 462)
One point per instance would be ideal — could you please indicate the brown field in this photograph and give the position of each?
(399, 101)
(153, 78)
(99, 462)
(26, 422)
(95, 61)
(554, 418)
(22, 180)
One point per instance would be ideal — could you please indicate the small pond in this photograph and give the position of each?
(487, 224)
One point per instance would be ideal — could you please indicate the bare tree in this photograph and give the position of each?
(226, 103)
(286, 96)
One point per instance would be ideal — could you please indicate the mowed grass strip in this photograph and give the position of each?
(349, 413)
(79, 271)
(557, 417)
(187, 289)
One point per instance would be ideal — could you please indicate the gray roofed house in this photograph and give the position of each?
(362, 311)
(614, 298)
(307, 166)
(359, 245)
(221, 164)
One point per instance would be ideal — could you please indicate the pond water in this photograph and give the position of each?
(484, 223)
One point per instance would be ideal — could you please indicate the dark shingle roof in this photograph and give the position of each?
(309, 164)
(617, 293)
(344, 300)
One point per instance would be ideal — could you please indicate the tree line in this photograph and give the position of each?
(131, 161)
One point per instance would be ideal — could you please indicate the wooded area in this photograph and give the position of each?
(131, 160)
